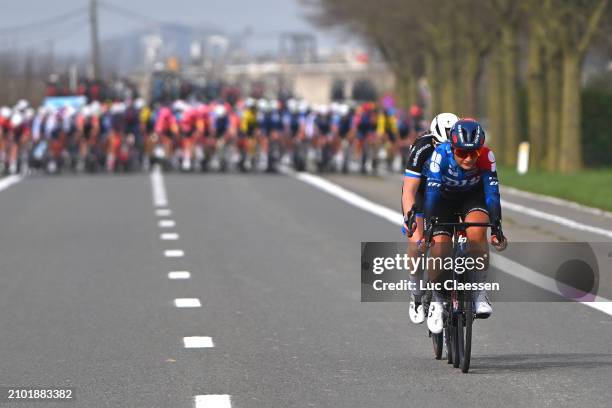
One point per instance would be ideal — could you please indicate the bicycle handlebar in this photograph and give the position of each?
(456, 225)
(463, 225)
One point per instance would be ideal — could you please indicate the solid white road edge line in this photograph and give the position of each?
(557, 201)
(396, 218)
(174, 253)
(160, 199)
(350, 197)
(169, 236)
(528, 275)
(556, 219)
(179, 275)
(198, 342)
(9, 181)
(213, 401)
(544, 282)
(187, 302)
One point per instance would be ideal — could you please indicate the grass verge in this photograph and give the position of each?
(588, 187)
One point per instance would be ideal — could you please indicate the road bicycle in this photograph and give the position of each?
(458, 309)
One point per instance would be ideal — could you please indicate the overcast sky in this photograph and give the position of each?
(263, 16)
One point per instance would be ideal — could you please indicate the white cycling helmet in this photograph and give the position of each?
(442, 124)
(220, 110)
(21, 105)
(343, 109)
(17, 119)
(117, 108)
(292, 105)
(86, 111)
(179, 105)
(6, 112)
(263, 105)
(334, 107)
(303, 106)
(139, 103)
(96, 108)
(69, 111)
(29, 113)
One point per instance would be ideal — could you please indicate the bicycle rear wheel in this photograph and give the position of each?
(457, 329)
(448, 339)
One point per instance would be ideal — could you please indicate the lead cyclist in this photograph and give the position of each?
(462, 178)
(413, 190)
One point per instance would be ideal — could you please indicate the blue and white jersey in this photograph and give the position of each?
(446, 179)
(292, 121)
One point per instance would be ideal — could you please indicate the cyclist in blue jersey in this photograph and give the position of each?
(462, 178)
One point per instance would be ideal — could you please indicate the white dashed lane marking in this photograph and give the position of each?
(163, 212)
(166, 223)
(174, 253)
(213, 401)
(198, 342)
(187, 302)
(179, 275)
(160, 199)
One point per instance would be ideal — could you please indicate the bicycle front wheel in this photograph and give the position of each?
(468, 317)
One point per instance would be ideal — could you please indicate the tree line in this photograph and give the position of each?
(479, 55)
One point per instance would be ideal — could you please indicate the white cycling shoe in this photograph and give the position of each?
(435, 323)
(483, 306)
(417, 314)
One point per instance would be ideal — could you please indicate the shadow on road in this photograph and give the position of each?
(504, 363)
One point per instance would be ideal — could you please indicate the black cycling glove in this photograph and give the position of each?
(410, 222)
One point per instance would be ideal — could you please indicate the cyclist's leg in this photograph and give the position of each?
(475, 210)
(263, 147)
(440, 250)
(186, 141)
(416, 310)
(477, 236)
(3, 137)
(13, 154)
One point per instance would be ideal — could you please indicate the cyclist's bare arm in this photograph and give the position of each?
(409, 189)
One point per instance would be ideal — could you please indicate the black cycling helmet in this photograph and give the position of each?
(467, 134)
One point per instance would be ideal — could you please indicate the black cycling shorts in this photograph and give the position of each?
(463, 203)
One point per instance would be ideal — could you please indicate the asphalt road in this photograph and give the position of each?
(86, 303)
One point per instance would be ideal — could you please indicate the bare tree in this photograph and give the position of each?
(452, 43)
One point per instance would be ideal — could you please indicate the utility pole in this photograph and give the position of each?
(95, 47)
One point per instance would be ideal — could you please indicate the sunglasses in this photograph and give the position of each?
(464, 153)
